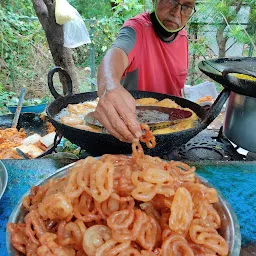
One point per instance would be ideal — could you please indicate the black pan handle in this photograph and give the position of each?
(215, 110)
(242, 71)
(55, 94)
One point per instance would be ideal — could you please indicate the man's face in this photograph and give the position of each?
(174, 14)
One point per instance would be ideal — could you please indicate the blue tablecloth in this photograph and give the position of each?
(236, 181)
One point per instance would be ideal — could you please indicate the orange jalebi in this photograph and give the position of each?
(148, 136)
(9, 139)
(121, 206)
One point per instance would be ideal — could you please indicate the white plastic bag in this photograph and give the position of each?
(64, 12)
(75, 32)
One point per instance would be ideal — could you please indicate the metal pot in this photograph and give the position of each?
(240, 121)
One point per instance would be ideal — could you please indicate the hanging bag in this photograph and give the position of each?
(75, 31)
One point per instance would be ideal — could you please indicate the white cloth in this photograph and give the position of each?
(193, 93)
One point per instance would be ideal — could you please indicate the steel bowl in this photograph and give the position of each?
(3, 179)
(230, 228)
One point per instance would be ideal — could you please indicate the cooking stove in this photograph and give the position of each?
(210, 145)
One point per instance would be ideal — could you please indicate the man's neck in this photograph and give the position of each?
(171, 38)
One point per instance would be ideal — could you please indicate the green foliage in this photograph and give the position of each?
(5, 97)
(103, 31)
(92, 9)
(197, 42)
(212, 16)
(10, 99)
(223, 12)
(18, 36)
(21, 33)
(69, 147)
(127, 9)
(239, 34)
(21, 7)
(198, 48)
(30, 102)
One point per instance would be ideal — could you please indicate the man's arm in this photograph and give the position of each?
(116, 109)
(117, 56)
(111, 70)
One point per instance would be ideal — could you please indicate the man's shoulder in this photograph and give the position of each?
(143, 17)
(141, 20)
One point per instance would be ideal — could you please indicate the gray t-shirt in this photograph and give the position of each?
(125, 40)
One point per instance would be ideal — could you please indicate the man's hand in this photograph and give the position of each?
(116, 111)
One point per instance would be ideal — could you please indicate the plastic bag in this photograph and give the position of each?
(64, 12)
(75, 32)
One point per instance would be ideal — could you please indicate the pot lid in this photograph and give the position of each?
(236, 74)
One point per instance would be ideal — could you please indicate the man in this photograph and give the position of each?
(150, 54)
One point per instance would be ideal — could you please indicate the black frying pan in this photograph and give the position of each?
(31, 123)
(99, 143)
(220, 70)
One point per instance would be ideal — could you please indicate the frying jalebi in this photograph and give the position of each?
(121, 206)
(74, 115)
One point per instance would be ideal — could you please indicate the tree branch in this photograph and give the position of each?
(40, 7)
(49, 3)
(41, 10)
(237, 9)
(221, 37)
(51, 7)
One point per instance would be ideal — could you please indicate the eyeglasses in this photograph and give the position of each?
(185, 10)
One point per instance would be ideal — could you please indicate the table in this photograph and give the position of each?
(235, 180)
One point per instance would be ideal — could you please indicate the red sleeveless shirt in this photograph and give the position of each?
(162, 66)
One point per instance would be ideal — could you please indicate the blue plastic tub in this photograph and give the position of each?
(34, 109)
